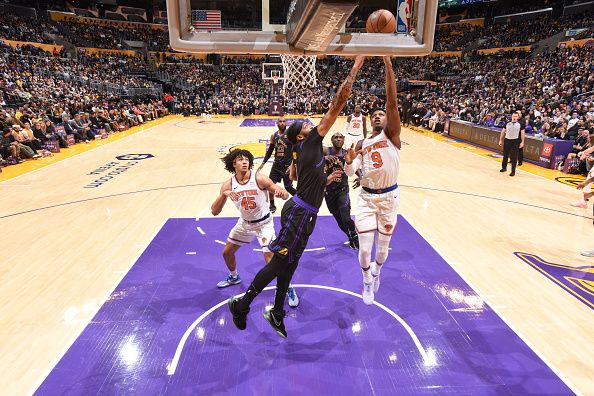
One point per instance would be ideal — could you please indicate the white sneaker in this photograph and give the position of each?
(580, 204)
(292, 297)
(368, 293)
(587, 253)
(376, 278)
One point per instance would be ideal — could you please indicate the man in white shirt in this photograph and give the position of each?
(512, 139)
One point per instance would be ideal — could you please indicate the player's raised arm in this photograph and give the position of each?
(340, 98)
(392, 115)
(218, 204)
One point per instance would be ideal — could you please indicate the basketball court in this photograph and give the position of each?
(111, 259)
(108, 283)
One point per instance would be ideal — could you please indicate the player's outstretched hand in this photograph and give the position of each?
(581, 185)
(336, 174)
(356, 183)
(281, 193)
(231, 194)
(351, 154)
(388, 60)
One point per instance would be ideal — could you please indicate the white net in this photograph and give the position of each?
(299, 71)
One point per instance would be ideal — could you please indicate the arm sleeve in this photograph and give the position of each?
(268, 152)
(350, 169)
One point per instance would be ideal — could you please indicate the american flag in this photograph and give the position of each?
(206, 19)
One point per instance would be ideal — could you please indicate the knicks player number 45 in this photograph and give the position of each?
(248, 203)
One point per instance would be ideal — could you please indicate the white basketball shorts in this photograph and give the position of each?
(377, 212)
(243, 233)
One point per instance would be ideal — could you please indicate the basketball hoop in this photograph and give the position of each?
(299, 71)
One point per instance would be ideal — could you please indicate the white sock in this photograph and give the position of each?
(233, 273)
(367, 276)
(365, 246)
(377, 267)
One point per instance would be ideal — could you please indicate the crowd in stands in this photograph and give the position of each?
(449, 37)
(454, 37)
(23, 29)
(553, 91)
(524, 32)
(113, 37)
(40, 106)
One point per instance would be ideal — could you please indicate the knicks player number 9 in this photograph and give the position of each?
(248, 203)
(377, 159)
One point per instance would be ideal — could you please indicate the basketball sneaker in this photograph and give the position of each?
(230, 280)
(368, 293)
(580, 204)
(293, 298)
(587, 253)
(376, 278)
(354, 242)
(276, 321)
(239, 317)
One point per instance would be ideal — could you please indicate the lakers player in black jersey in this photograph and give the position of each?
(337, 190)
(299, 213)
(283, 149)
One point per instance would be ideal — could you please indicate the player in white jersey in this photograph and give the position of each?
(249, 192)
(356, 128)
(378, 160)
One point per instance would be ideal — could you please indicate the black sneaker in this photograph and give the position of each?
(354, 242)
(502, 170)
(276, 321)
(239, 317)
(512, 174)
(272, 209)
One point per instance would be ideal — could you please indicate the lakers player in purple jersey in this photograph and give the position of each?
(299, 214)
(337, 190)
(283, 152)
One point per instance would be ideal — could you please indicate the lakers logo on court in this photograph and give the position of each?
(578, 281)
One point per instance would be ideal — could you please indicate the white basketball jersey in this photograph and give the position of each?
(252, 202)
(355, 125)
(381, 162)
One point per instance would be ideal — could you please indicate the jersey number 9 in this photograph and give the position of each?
(377, 159)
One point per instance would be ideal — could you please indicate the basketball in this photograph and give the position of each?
(381, 21)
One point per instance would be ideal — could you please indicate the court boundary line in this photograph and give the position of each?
(105, 196)
(513, 328)
(57, 359)
(172, 366)
(218, 183)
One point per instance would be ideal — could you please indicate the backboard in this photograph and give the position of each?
(414, 37)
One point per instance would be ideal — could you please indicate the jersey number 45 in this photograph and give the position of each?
(248, 203)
